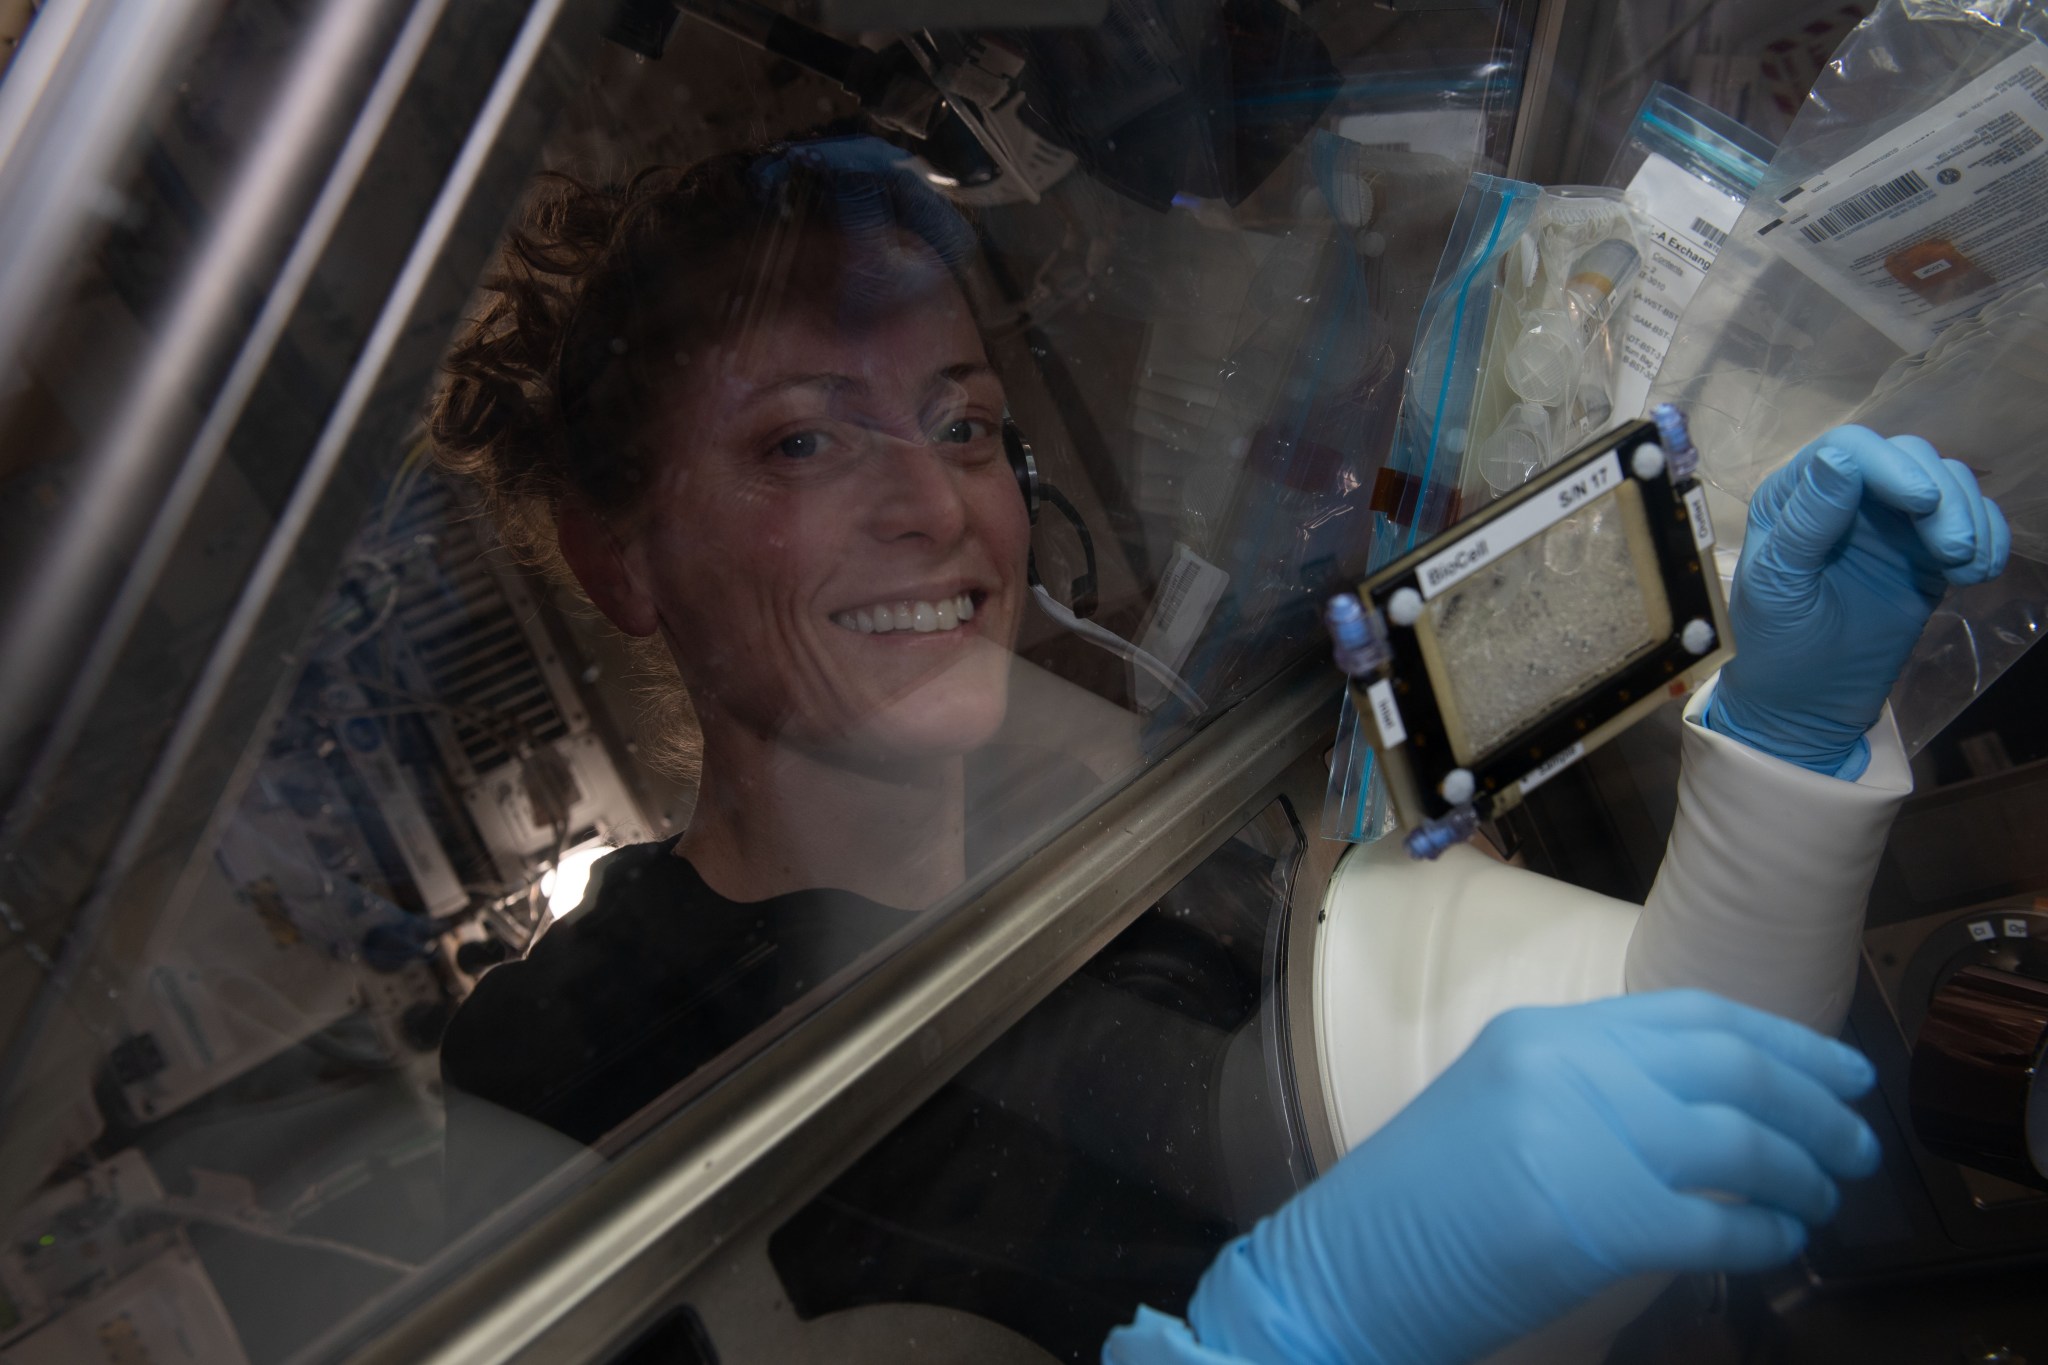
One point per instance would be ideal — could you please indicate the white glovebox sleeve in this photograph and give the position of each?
(1763, 886)
(1760, 897)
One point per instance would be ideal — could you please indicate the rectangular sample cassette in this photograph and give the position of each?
(1526, 636)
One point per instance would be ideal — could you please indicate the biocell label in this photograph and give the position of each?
(1466, 557)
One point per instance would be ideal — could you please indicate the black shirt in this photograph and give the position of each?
(653, 975)
(1067, 1174)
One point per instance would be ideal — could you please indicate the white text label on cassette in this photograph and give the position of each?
(1385, 714)
(1467, 556)
(1702, 524)
(1551, 767)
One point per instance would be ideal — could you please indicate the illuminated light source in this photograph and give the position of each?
(565, 883)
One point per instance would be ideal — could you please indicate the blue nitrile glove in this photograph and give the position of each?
(1567, 1149)
(1850, 547)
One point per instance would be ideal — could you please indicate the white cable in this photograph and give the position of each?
(1118, 645)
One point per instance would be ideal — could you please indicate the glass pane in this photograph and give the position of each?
(857, 455)
(1098, 1154)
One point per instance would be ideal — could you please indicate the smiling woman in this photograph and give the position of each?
(747, 410)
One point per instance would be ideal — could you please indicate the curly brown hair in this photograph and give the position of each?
(557, 387)
(534, 409)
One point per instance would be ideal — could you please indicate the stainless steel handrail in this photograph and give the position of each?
(76, 93)
(143, 450)
(577, 1280)
(142, 861)
(88, 77)
(64, 619)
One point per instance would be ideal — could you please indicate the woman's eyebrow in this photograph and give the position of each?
(966, 369)
(835, 383)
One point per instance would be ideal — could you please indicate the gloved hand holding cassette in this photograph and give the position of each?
(1851, 545)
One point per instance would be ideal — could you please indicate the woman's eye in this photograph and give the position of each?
(801, 446)
(963, 430)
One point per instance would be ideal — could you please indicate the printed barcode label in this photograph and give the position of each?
(1863, 207)
(1709, 234)
(1177, 584)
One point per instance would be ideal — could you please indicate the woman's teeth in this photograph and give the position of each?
(922, 617)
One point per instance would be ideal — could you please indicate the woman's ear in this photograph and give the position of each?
(601, 566)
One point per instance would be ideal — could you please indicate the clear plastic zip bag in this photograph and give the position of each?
(1357, 807)
(1416, 493)
(1976, 390)
(1515, 363)
(1890, 270)
(1514, 360)
(1307, 393)
(1690, 171)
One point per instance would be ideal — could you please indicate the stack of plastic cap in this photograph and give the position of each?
(1511, 456)
(1541, 365)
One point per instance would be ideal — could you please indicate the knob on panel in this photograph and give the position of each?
(1979, 1083)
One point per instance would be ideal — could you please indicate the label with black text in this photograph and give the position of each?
(1689, 221)
(1532, 518)
(1551, 767)
(1928, 223)
(1696, 512)
(1386, 714)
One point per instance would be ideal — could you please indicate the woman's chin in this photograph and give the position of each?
(956, 712)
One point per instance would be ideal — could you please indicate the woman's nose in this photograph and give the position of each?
(916, 492)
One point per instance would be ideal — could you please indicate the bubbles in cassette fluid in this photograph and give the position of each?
(1539, 624)
(1566, 544)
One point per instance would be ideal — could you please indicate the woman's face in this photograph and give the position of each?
(835, 545)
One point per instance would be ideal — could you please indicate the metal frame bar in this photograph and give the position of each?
(1305, 782)
(153, 848)
(66, 619)
(1571, 39)
(85, 78)
(577, 1280)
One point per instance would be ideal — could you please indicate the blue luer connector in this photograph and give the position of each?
(1357, 636)
(1680, 456)
(1429, 839)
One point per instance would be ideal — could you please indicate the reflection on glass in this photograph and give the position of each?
(768, 442)
(1101, 1151)
(702, 639)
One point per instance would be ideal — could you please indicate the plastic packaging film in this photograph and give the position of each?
(1515, 362)
(1890, 270)
(1690, 171)
(1302, 403)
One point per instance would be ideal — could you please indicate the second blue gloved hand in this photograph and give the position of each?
(1850, 546)
(1566, 1149)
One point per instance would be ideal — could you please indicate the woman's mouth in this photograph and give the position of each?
(909, 614)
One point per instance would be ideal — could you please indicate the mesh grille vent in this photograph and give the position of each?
(465, 637)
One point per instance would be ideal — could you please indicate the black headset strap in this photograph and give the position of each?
(1022, 464)
(1037, 493)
